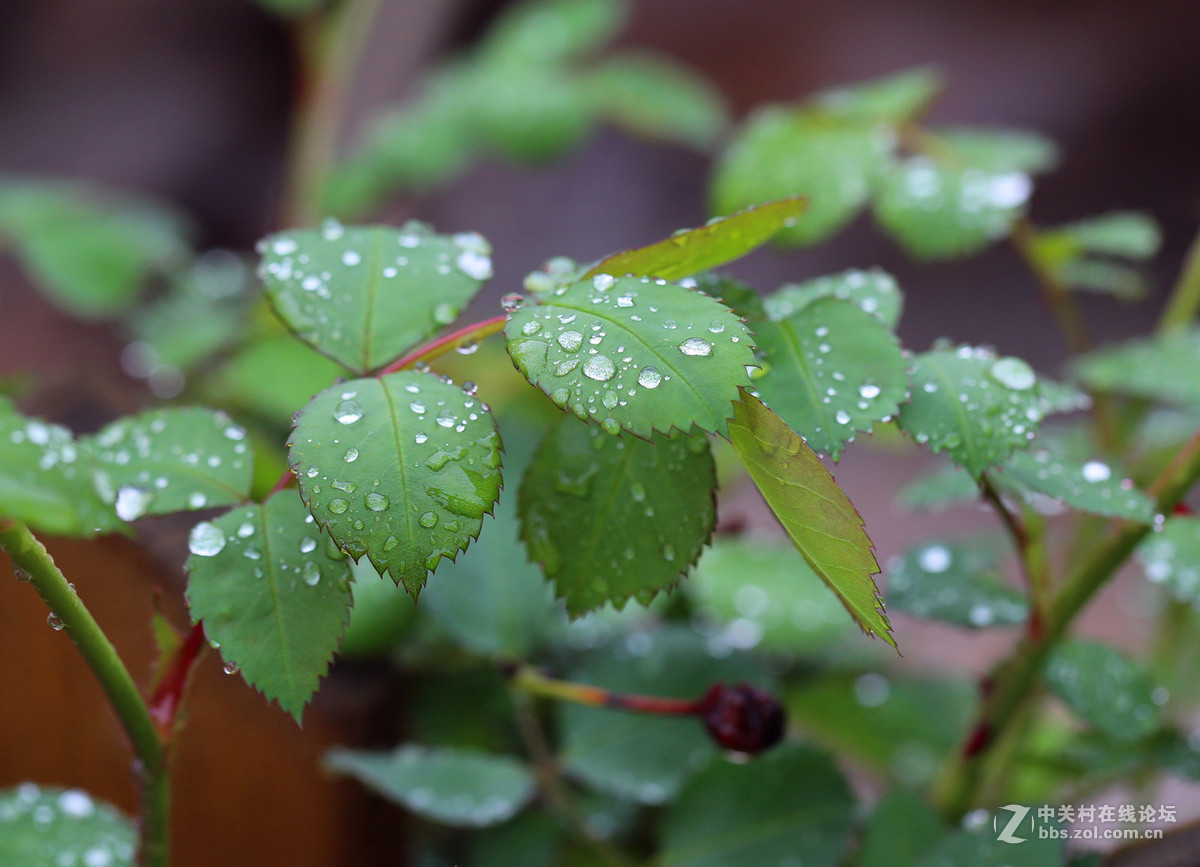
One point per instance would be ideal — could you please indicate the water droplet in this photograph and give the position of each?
(132, 502)
(625, 301)
(348, 412)
(512, 302)
(935, 559)
(716, 326)
(1014, 373)
(1096, 471)
(670, 325)
(444, 314)
(307, 545)
(649, 377)
(284, 247)
(638, 492)
(351, 258)
(197, 500)
(610, 399)
(446, 418)
(599, 368)
(476, 265)
(869, 391)
(206, 540)
(420, 438)
(311, 573)
(332, 230)
(570, 340)
(351, 456)
(611, 426)
(428, 520)
(377, 502)
(468, 348)
(338, 506)
(695, 346)
(872, 689)
(603, 282)
(842, 417)
(668, 553)
(231, 668)
(54, 622)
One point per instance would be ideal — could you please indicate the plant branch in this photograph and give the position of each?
(30, 555)
(533, 682)
(468, 334)
(329, 50)
(1184, 301)
(168, 696)
(1030, 551)
(1015, 680)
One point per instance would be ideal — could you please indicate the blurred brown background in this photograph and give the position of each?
(189, 100)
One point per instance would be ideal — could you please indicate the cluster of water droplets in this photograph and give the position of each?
(976, 200)
(943, 582)
(69, 828)
(1172, 558)
(1090, 486)
(873, 291)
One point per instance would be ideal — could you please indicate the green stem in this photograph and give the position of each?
(533, 682)
(468, 334)
(1184, 302)
(1029, 545)
(330, 50)
(30, 556)
(1015, 681)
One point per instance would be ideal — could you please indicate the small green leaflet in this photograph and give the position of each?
(940, 211)
(972, 405)
(458, 787)
(553, 31)
(765, 594)
(954, 583)
(1104, 688)
(784, 151)
(1125, 234)
(49, 481)
(656, 98)
(1088, 486)
(818, 517)
(716, 243)
(792, 803)
(401, 469)
(174, 460)
(271, 595)
(875, 291)
(363, 295)
(945, 487)
(49, 826)
(829, 371)
(1172, 557)
(631, 353)
(891, 99)
(1163, 368)
(995, 150)
(610, 518)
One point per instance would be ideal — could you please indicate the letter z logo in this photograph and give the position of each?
(1018, 816)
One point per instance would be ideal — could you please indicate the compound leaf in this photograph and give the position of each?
(363, 295)
(401, 469)
(972, 405)
(271, 595)
(830, 371)
(610, 518)
(818, 517)
(459, 787)
(173, 460)
(633, 353)
(716, 243)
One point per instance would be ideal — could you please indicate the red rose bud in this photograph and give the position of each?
(742, 718)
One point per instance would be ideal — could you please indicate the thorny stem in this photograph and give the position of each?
(1030, 551)
(1014, 681)
(330, 50)
(1184, 302)
(30, 556)
(531, 681)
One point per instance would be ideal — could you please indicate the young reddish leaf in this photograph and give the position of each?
(818, 517)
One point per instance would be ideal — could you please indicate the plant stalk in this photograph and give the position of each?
(1184, 302)
(1015, 680)
(531, 681)
(30, 556)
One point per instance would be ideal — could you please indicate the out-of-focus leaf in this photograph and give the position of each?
(1088, 486)
(980, 847)
(902, 828)
(893, 98)
(1172, 557)
(47, 827)
(998, 150)
(941, 489)
(1127, 234)
(875, 291)
(1165, 368)
(272, 377)
(1104, 688)
(818, 517)
(954, 583)
(381, 614)
(550, 31)
(458, 787)
(1107, 278)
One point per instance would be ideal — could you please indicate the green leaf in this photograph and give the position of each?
(401, 469)
(818, 517)
(614, 518)
(633, 354)
(894, 98)
(91, 250)
(830, 370)
(48, 827)
(271, 595)
(530, 113)
(493, 601)
(458, 787)
(996, 150)
(1172, 557)
(363, 295)
(1127, 234)
(765, 595)
(174, 460)
(937, 211)
(980, 847)
(792, 803)
(1107, 278)
(656, 98)
(382, 613)
(783, 151)
(875, 291)
(1165, 368)
(271, 377)
(1104, 688)
(739, 297)
(972, 405)
(533, 839)
(642, 757)
(1088, 486)
(885, 722)
(551, 31)
(945, 487)
(958, 584)
(901, 829)
(716, 243)
(49, 481)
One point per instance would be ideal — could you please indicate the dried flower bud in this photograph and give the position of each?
(743, 718)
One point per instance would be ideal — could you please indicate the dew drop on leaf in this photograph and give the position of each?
(377, 502)
(428, 520)
(1096, 471)
(649, 377)
(348, 412)
(338, 506)
(307, 545)
(601, 368)
(570, 340)
(132, 503)
(206, 540)
(54, 621)
(695, 346)
(311, 573)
